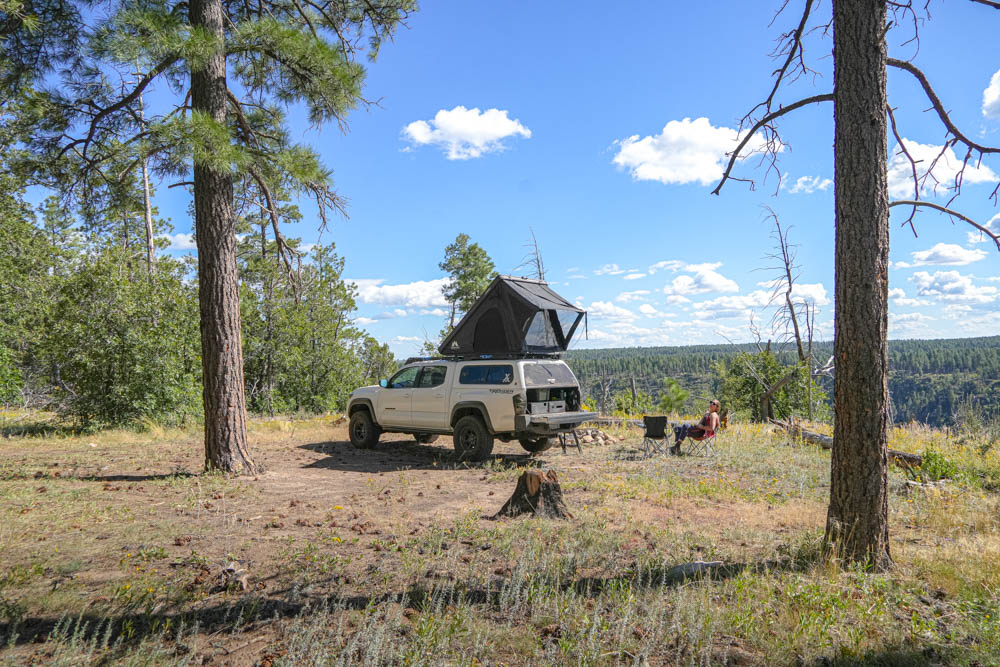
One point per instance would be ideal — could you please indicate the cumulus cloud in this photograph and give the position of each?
(637, 295)
(952, 286)
(608, 310)
(943, 254)
(634, 276)
(180, 241)
(437, 312)
(993, 225)
(686, 151)
(363, 321)
(677, 300)
(991, 97)
(702, 278)
(419, 294)
(465, 133)
(808, 185)
(945, 166)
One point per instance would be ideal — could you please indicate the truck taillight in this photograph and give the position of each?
(518, 404)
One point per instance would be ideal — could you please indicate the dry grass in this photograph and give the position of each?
(113, 546)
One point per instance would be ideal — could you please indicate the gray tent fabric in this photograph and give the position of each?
(514, 317)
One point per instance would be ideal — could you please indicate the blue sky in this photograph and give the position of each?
(603, 128)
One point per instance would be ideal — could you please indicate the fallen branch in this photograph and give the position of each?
(902, 459)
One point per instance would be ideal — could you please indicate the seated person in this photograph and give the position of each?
(708, 425)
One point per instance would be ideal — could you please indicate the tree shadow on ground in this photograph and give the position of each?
(103, 479)
(400, 455)
(131, 627)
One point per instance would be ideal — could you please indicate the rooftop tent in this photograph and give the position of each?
(514, 316)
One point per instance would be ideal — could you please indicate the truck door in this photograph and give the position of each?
(394, 401)
(429, 406)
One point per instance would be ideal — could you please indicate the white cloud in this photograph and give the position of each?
(677, 300)
(465, 133)
(956, 311)
(896, 293)
(365, 320)
(908, 321)
(705, 279)
(608, 310)
(180, 241)
(667, 264)
(419, 294)
(814, 293)
(610, 270)
(437, 312)
(625, 297)
(686, 151)
(993, 225)
(945, 168)
(808, 185)
(943, 254)
(650, 311)
(406, 339)
(952, 286)
(634, 276)
(991, 97)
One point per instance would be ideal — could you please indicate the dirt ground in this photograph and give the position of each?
(98, 526)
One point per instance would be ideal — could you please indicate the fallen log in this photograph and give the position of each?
(902, 459)
(536, 492)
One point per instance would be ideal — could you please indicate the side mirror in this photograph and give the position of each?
(383, 383)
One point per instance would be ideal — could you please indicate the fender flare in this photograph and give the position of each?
(478, 406)
(361, 404)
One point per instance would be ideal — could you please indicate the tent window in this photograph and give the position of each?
(540, 333)
(489, 335)
(567, 318)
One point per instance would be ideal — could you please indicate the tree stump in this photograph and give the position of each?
(536, 492)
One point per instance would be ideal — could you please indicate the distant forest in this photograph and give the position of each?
(928, 381)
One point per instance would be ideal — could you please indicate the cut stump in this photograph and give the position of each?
(537, 493)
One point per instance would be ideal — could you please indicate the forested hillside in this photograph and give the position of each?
(929, 379)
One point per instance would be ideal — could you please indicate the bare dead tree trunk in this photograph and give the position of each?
(147, 201)
(857, 523)
(215, 232)
(788, 263)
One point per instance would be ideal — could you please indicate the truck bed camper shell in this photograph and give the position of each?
(515, 317)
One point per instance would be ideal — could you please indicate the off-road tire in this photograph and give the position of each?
(473, 442)
(363, 431)
(425, 438)
(535, 445)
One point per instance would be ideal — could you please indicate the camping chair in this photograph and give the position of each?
(654, 440)
(702, 446)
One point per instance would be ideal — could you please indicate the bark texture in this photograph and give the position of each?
(536, 492)
(215, 231)
(857, 523)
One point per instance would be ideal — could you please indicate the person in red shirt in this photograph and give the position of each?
(708, 425)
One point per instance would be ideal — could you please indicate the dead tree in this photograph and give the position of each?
(857, 520)
(536, 493)
(533, 260)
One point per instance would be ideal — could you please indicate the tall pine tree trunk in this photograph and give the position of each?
(857, 523)
(215, 231)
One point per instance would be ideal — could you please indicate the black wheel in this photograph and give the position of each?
(364, 432)
(425, 438)
(535, 445)
(472, 440)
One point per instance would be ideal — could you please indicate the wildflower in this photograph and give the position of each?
(337, 507)
(127, 586)
(337, 539)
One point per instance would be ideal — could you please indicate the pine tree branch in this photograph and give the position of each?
(120, 104)
(827, 97)
(945, 209)
(988, 3)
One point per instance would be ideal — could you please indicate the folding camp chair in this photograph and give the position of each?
(654, 440)
(702, 446)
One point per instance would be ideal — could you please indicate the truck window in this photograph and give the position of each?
(432, 376)
(544, 374)
(487, 374)
(405, 378)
